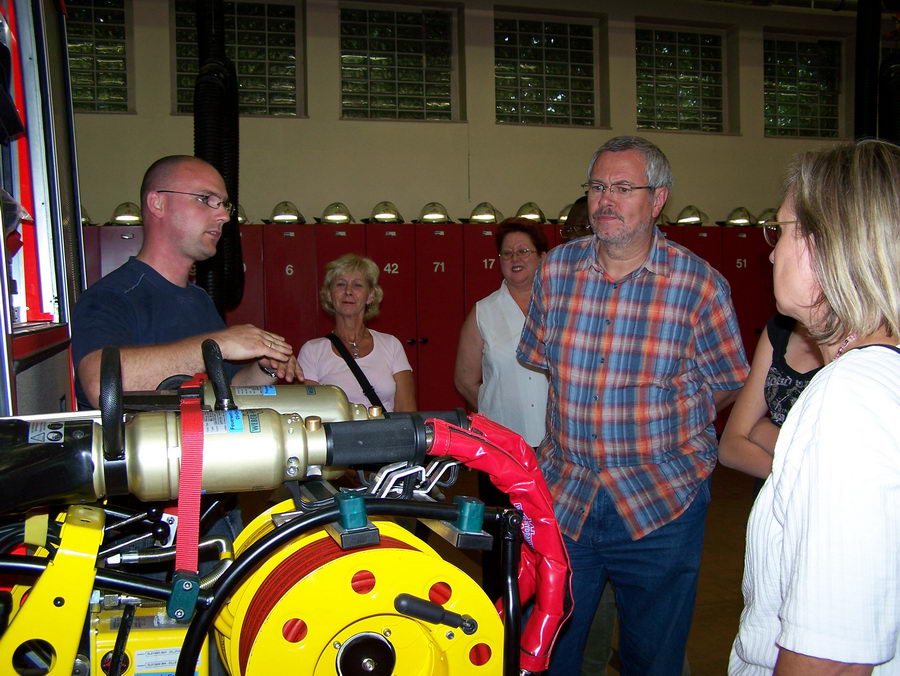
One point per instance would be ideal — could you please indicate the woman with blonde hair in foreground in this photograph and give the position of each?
(822, 571)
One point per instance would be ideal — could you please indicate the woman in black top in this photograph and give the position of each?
(785, 360)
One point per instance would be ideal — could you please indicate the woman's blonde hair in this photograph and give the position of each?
(351, 263)
(847, 201)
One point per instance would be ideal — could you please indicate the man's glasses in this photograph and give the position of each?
(772, 230)
(506, 254)
(616, 190)
(212, 201)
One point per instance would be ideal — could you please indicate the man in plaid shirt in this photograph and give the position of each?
(642, 347)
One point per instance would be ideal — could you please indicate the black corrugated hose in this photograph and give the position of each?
(217, 140)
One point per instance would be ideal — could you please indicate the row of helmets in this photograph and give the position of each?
(286, 212)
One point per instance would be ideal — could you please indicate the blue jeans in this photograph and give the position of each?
(655, 579)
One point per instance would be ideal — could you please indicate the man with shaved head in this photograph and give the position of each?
(150, 310)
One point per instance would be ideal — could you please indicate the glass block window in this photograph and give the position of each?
(98, 55)
(397, 64)
(802, 82)
(680, 83)
(261, 40)
(544, 72)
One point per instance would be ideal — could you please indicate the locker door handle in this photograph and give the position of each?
(410, 341)
(423, 340)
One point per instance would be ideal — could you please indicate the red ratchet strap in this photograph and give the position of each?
(189, 476)
(544, 571)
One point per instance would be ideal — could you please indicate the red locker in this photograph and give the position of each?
(90, 237)
(333, 240)
(106, 247)
(705, 242)
(746, 266)
(252, 309)
(482, 264)
(393, 248)
(440, 282)
(551, 230)
(290, 282)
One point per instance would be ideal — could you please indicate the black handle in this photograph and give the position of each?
(413, 606)
(215, 369)
(111, 410)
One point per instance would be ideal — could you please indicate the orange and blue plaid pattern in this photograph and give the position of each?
(633, 364)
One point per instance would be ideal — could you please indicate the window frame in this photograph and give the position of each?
(456, 70)
(843, 116)
(300, 76)
(600, 66)
(129, 67)
(729, 84)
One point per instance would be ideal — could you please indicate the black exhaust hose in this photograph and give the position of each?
(216, 140)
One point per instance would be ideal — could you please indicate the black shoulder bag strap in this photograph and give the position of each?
(364, 383)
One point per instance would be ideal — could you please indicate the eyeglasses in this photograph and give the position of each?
(212, 201)
(506, 254)
(616, 190)
(772, 230)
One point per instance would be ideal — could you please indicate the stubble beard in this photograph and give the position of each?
(623, 238)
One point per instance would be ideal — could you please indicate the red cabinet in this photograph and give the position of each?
(439, 281)
(252, 308)
(705, 242)
(482, 264)
(551, 230)
(106, 247)
(422, 277)
(393, 248)
(291, 298)
(746, 266)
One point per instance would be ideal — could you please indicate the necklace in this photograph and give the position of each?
(354, 344)
(850, 338)
(354, 348)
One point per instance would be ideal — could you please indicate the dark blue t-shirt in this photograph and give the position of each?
(134, 305)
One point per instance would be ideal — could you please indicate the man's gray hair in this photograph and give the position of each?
(659, 173)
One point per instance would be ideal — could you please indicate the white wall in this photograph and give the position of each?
(319, 159)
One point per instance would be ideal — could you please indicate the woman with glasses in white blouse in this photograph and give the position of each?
(487, 373)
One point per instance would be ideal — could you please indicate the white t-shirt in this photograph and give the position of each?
(511, 394)
(321, 364)
(822, 569)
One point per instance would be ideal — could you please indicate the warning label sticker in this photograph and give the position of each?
(46, 432)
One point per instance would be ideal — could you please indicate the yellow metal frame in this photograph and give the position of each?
(54, 609)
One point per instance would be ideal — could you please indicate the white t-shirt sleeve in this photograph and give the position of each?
(838, 500)
(310, 358)
(396, 354)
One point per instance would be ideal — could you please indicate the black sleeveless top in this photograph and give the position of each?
(783, 384)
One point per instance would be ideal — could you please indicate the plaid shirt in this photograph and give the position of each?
(632, 363)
